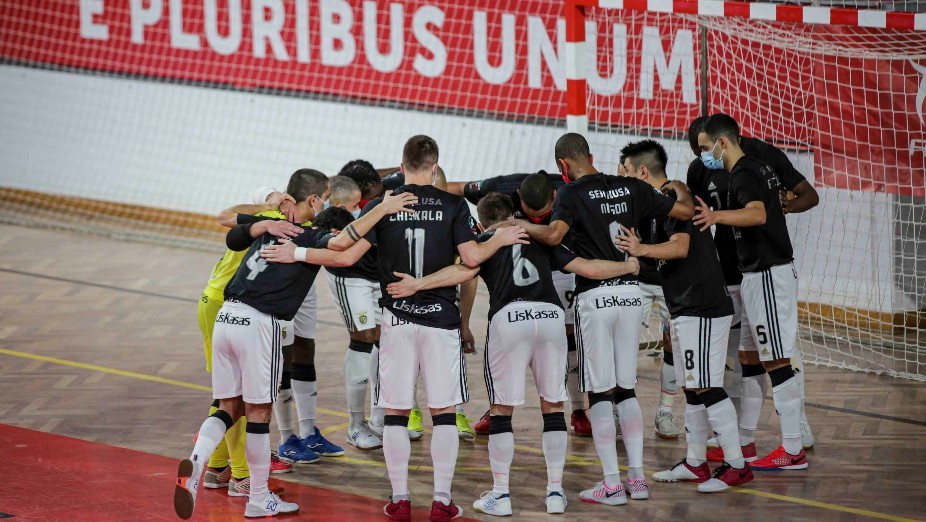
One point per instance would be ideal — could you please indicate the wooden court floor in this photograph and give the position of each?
(99, 341)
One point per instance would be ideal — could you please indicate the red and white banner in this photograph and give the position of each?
(506, 59)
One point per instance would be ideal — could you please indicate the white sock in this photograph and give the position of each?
(631, 419)
(572, 382)
(306, 394)
(356, 374)
(753, 395)
(377, 414)
(722, 417)
(257, 452)
(501, 452)
(397, 449)
(799, 375)
(554, 453)
(604, 432)
(668, 388)
(283, 413)
(445, 443)
(733, 373)
(698, 428)
(787, 397)
(459, 410)
(211, 432)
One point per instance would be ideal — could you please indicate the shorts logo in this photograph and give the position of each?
(609, 302)
(765, 351)
(690, 378)
(228, 318)
(362, 317)
(284, 333)
(530, 315)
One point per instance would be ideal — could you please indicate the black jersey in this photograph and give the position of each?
(507, 185)
(762, 247)
(274, 288)
(693, 286)
(420, 244)
(649, 271)
(594, 207)
(771, 155)
(365, 268)
(522, 273)
(712, 186)
(393, 181)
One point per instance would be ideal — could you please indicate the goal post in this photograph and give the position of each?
(840, 90)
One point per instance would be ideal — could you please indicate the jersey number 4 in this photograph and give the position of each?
(255, 264)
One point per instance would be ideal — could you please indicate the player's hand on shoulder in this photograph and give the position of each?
(512, 235)
(284, 252)
(393, 203)
(628, 241)
(406, 286)
(704, 217)
(288, 208)
(283, 229)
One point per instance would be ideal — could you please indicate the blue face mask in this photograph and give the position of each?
(707, 157)
(356, 213)
(327, 204)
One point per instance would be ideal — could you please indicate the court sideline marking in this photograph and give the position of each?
(579, 461)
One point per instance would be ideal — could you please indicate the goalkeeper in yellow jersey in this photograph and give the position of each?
(227, 466)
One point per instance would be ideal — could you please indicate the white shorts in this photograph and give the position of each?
(700, 349)
(770, 304)
(288, 331)
(404, 348)
(306, 317)
(608, 337)
(247, 358)
(357, 300)
(652, 295)
(565, 285)
(523, 335)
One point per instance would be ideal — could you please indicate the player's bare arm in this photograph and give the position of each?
(456, 187)
(684, 208)
(392, 204)
(275, 201)
(675, 248)
(288, 252)
(551, 234)
(451, 275)
(474, 254)
(805, 198)
(601, 269)
(753, 215)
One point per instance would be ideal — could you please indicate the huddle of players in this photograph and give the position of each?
(421, 320)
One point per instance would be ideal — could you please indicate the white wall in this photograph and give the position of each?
(201, 150)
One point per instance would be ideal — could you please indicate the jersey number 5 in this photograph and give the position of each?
(415, 238)
(525, 273)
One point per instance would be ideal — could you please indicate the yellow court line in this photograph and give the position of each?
(577, 461)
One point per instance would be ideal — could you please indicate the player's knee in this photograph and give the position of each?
(303, 372)
(781, 375)
(554, 421)
(712, 396)
(499, 424)
(571, 341)
(360, 346)
(395, 420)
(366, 336)
(444, 419)
(752, 370)
(691, 397)
(258, 413)
(622, 394)
(668, 358)
(595, 398)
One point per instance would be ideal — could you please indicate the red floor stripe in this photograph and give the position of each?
(52, 477)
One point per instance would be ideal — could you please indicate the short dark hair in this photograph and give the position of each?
(305, 182)
(696, 127)
(536, 191)
(724, 125)
(332, 218)
(572, 146)
(420, 153)
(362, 172)
(494, 207)
(647, 152)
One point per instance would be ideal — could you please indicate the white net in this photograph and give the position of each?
(847, 106)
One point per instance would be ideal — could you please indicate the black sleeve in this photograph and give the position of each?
(651, 202)
(464, 226)
(246, 219)
(371, 235)
(239, 237)
(476, 190)
(560, 256)
(677, 226)
(313, 238)
(562, 210)
(696, 179)
(765, 152)
(393, 181)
